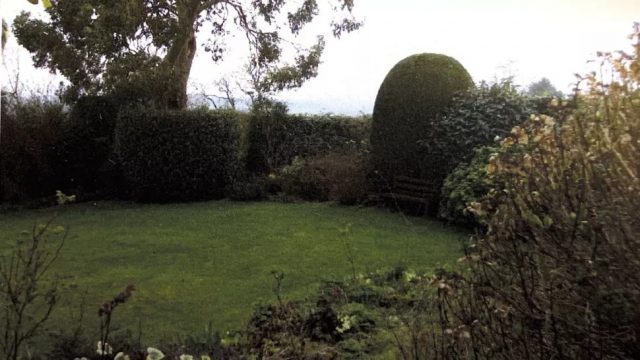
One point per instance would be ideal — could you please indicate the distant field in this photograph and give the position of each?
(200, 263)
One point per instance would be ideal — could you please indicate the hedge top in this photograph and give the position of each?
(422, 82)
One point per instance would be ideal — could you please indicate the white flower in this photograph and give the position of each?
(409, 275)
(346, 322)
(154, 354)
(104, 350)
(121, 356)
(82, 358)
(186, 357)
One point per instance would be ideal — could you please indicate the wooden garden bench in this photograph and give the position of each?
(408, 190)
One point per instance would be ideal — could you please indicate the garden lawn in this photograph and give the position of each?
(211, 262)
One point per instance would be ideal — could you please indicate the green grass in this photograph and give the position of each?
(211, 262)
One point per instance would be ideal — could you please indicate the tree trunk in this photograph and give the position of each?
(177, 64)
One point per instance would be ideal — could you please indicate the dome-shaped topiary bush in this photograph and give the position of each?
(409, 100)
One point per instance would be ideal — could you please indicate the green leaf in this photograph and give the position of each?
(532, 219)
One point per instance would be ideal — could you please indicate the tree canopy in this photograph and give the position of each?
(543, 88)
(5, 26)
(149, 45)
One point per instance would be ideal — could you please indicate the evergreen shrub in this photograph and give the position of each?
(466, 184)
(475, 118)
(413, 94)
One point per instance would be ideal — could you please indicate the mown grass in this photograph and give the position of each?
(211, 262)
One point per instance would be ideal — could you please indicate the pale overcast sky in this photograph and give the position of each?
(491, 38)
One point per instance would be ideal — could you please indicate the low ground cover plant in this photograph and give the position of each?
(378, 315)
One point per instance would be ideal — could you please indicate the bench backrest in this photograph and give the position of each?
(415, 187)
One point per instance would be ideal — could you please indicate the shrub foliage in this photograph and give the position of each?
(177, 155)
(337, 176)
(467, 183)
(557, 274)
(475, 118)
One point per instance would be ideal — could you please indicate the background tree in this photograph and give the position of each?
(245, 85)
(139, 45)
(5, 26)
(543, 88)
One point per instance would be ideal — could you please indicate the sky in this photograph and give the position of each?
(492, 39)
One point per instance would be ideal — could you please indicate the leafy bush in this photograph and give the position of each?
(169, 155)
(344, 175)
(467, 183)
(557, 275)
(277, 331)
(339, 177)
(345, 320)
(30, 154)
(275, 138)
(411, 96)
(299, 179)
(475, 118)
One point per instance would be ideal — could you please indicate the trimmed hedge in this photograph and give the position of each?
(275, 137)
(31, 132)
(177, 155)
(45, 149)
(412, 95)
(87, 146)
